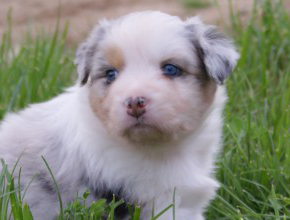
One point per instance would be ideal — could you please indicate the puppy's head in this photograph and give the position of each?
(151, 77)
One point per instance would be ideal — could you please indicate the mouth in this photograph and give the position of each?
(145, 133)
(140, 126)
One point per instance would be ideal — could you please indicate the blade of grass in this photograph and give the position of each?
(57, 189)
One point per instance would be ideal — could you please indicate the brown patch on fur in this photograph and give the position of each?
(208, 90)
(115, 57)
(97, 105)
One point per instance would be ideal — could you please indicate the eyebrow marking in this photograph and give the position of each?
(114, 55)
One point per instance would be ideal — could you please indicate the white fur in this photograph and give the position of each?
(82, 152)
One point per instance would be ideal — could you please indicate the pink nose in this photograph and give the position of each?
(136, 106)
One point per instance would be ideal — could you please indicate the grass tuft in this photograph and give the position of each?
(11, 204)
(197, 3)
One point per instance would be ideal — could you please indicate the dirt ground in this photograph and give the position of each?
(83, 14)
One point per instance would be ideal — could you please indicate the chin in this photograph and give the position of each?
(144, 120)
(143, 134)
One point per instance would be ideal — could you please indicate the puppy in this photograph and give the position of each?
(143, 121)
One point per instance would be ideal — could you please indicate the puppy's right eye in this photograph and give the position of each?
(111, 75)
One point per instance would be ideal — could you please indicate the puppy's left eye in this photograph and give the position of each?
(171, 71)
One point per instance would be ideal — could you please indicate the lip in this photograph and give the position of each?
(139, 125)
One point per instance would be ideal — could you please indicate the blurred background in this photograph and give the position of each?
(40, 15)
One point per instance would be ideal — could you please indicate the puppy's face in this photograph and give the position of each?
(149, 75)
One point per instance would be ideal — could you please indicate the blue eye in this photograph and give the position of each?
(111, 75)
(171, 70)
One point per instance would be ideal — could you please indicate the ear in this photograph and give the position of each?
(86, 52)
(216, 52)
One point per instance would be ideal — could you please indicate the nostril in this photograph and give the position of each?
(129, 103)
(141, 102)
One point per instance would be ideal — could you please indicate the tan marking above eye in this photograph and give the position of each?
(114, 55)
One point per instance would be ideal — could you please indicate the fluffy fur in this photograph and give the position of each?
(90, 141)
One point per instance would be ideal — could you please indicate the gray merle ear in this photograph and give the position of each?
(216, 52)
(85, 54)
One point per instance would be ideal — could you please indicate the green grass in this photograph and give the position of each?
(10, 196)
(12, 205)
(34, 71)
(254, 167)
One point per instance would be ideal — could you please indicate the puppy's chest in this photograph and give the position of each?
(138, 178)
